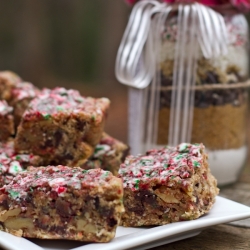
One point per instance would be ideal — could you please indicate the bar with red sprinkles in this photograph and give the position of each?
(8, 81)
(62, 126)
(108, 155)
(16, 93)
(22, 94)
(62, 203)
(167, 185)
(12, 164)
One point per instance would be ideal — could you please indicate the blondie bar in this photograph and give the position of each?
(8, 81)
(167, 185)
(22, 94)
(62, 203)
(62, 126)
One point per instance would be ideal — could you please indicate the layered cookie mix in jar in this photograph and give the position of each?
(220, 98)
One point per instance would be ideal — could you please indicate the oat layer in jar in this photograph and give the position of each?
(220, 98)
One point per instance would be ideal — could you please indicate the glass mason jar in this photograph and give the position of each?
(220, 98)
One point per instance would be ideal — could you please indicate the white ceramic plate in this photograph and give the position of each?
(223, 211)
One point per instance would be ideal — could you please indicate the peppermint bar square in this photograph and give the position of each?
(62, 203)
(62, 126)
(167, 185)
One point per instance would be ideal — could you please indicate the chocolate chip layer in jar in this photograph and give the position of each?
(220, 105)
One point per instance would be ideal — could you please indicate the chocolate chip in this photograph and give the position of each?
(57, 229)
(165, 98)
(48, 143)
(197, 200)
(53, 195)
(112, 222)
(212, 77)
(88, 198)
(106, 212)
(97, 202)
(146, 196)
(166, 81)
(80, 125)
(138, 210)
(29, 199)
(63, 207)
(5, 204)
(41, 225)
(68, 156)
(58, 137)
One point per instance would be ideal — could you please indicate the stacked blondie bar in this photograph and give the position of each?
(58, 170)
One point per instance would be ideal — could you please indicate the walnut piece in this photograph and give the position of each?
(83, 225)
(4, 215)
(19, 223)
(168, 198)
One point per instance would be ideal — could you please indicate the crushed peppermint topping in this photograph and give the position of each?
(7, 148)
(169, 163)
(58, 178)
(15, 168)
(236, 29)
(101, 150)
(5, 109)
(50, 103)
(11, 163)
(24, 90)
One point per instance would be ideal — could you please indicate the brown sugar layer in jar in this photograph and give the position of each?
(219, 118)
(62, 203)
(62, 126)
(167, 185)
